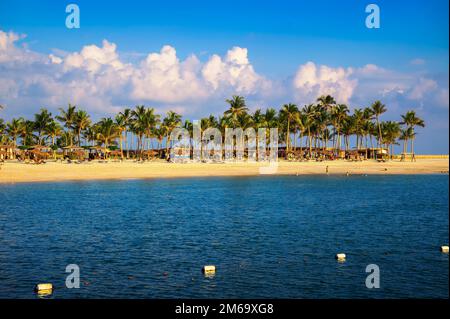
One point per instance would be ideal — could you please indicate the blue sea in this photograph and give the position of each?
(268, 236)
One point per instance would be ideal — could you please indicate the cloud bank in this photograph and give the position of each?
(98, 80)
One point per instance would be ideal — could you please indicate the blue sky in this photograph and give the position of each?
(294, 31)
(404, 63)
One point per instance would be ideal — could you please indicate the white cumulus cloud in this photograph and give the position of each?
(311, 81)
(163, 77)
(98, 79)
(234, 71)
(92, 58)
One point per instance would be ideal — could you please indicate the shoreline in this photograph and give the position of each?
(14, 172)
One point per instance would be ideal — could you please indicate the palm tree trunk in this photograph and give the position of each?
(167, 145)
(365, 138)
(405, 146)
(126, 144)
(337, 146)
(257, 148)
(301, 141)
(310, 142)
(334, 138)
(295, 140)
(121, 145)
(132, 143)
(371, 144)
(379, 132)
(287, 139)
(53, 144)
(138, 146)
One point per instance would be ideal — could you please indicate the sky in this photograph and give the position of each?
(189, 56)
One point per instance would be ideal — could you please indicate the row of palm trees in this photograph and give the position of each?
(320, 126)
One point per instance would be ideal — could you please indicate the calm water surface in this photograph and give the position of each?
(268, 237)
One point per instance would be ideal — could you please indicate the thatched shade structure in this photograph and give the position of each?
(97, 152)
(97, 148)
(381, 154)
(7, 152)
(40, 147)
(149, 153)
(74, 152)
(353, 155)
(39, 154)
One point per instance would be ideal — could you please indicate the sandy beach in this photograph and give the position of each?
(13, 172)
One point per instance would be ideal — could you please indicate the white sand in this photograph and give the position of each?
(12, 172)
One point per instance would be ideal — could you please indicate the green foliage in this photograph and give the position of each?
(321, 123)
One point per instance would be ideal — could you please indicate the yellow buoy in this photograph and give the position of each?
(444, 249)
(209, 269)
(44, 289)
(340, 257)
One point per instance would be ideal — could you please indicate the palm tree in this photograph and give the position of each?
(2, 129)
(287, 114)
(309, 112)
(321, 123)
(121, 124)
(41, 121)
(296, 126)
(237, 107)
(326, 102)
(411, 120)
(348, 128)
(68, 118)
(378, 108)
(189, 126)
(127, 118)
(137, 125)
(107, 131)
(368, 128)
(301, 123)
(392, 132)
(80, 123)
(259, 121)
(326, 136)
(338, 115)
(26, 132)
(150, 122)
(358, 117)
(245, 121)
(270, 117)
(171, 121)
(2, 126)
(53, 130)
(406, 134)
(4, 140)
(143, 124)
(90, 134)
(160, 134)
(13, 129)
